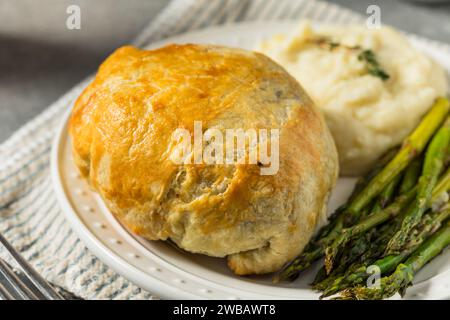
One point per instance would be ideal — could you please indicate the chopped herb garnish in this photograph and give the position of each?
(373, 67)
(367, 56)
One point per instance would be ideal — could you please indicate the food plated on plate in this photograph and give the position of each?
(122, 129)
(123, 126)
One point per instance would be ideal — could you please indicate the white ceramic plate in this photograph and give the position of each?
(171, 273)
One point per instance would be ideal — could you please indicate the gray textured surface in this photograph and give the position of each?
(40, 58)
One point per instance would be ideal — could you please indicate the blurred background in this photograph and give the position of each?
(40, 58)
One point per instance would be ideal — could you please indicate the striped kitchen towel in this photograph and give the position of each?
(30, 217)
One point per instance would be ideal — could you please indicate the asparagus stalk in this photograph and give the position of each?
(440, 191)
(443, 185)
(388, 263)
(405, 272)
(364, 180)
(412, 146)
(324, 280)
(320, 277)
(315, 250)
(386, 195)
(334, 248)
(357, 248)
(432, 168)
(411, 175)
(302, 262)
(370, 250)
(334, 278)
(375, 249)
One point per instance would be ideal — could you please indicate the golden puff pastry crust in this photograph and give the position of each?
(122, 125)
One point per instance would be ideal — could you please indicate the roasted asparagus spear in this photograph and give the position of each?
(387, 264)
(404, 273)
(432, 167)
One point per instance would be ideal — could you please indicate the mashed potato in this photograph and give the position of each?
(368, 112)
